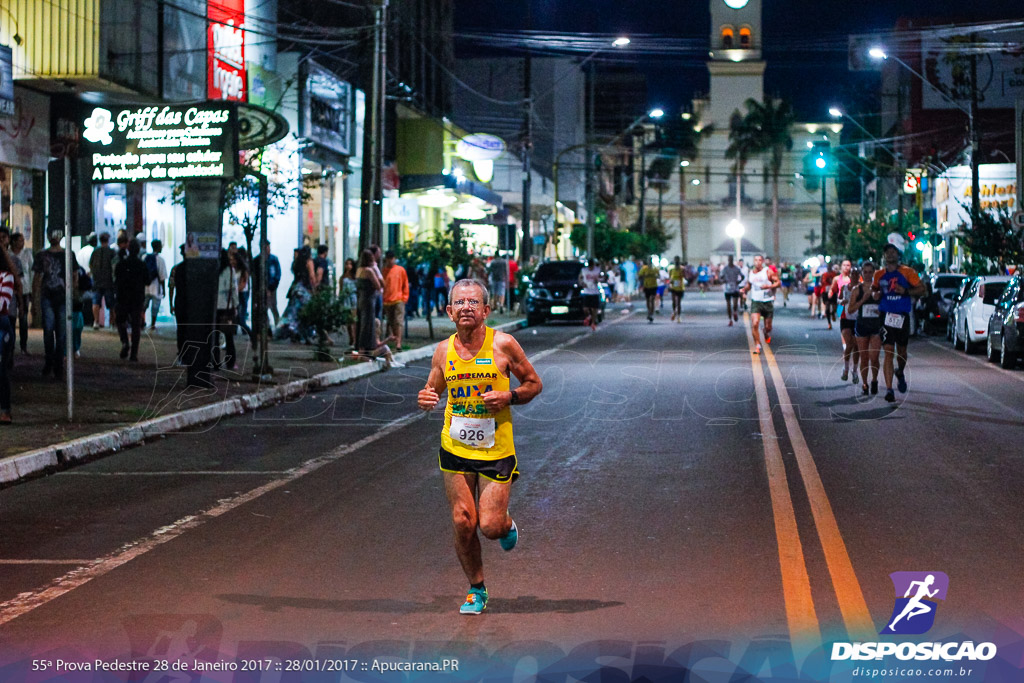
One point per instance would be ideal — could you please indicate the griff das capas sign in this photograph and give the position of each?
(161, 142)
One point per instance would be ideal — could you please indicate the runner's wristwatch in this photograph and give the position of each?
(515, 398)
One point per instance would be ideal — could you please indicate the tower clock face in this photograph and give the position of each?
(736, 4)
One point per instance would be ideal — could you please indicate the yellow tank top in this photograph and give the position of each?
(470, 431)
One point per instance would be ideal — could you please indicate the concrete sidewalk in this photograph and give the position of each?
(119, 403)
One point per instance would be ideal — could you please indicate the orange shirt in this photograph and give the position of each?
(396, 285)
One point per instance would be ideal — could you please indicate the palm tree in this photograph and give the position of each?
(769, 125)
(678, 140)
(743, 144)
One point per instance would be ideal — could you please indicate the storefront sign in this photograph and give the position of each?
(405, 211)
(480, 147)
(6, 82)
(26, 134)
(326, 109)
(226, 45)
(161, 142)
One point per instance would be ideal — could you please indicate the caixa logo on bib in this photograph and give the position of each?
(913, 613)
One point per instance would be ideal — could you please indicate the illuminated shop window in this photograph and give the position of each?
(745, 41)
(727, 37)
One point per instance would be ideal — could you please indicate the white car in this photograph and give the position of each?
(970, 323)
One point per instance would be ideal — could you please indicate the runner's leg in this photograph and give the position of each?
(755, 323)
(887, 365)
(460, 489)
(493, 508)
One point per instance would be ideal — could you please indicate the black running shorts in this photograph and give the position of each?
(899, 336)
(502, 471)
(846, 324)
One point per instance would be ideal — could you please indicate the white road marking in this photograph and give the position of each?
(92, 569)
(573, 340)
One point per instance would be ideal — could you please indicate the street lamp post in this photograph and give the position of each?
(656, 113)
(879, 54)
(735, 230)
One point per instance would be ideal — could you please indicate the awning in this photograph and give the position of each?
(411, 183)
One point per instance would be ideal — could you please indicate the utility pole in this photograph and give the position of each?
(643, 180)
(370, 219)
(527, 246)
(824, 248)
(588, 192)
(682, 207)
(1019, 133)
(972, 119)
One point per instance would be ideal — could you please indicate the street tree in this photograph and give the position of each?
(768, 126)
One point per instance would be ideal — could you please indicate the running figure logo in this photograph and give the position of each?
(914, 613)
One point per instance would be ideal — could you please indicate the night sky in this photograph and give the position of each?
(805, 42)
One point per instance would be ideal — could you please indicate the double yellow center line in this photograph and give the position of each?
(805, 632)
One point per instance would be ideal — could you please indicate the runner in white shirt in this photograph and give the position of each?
(761, 284)
(590, 280)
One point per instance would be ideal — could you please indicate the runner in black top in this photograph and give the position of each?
(864, 303)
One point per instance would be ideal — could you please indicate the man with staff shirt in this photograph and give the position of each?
(897, 284)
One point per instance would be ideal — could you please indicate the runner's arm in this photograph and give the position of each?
(773, 280)
(519, 366)
(430, 395)
(857, 298)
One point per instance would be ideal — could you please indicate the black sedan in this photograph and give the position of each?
(1006, 326)
(555, 293)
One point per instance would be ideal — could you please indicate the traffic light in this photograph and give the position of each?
(817, 164)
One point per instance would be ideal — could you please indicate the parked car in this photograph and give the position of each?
(1006, 326)
(953, 304)
(555, 293)
(934, 307)
(971, 315)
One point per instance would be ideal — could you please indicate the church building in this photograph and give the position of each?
(699, 201)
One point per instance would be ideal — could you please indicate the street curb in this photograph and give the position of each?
(49, 458)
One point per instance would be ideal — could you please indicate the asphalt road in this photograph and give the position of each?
(683, 504)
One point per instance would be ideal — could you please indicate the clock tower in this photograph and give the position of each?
(735, 64)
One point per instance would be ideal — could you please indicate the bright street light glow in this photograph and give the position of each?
(810, 145)
(684, 163)
(687, 116)
(877, 53)
(735, 229)
(920, 246)
(695, 181)
(835, 112)
(820, 162)
(657, 113)
(622, 41)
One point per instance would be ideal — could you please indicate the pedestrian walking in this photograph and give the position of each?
(477, 457)
(300, 292)
(323, 268)
(244, 286)
(396, 295)
(273, 280)
(156, 271)
(22, 259)
(368, 283)
(10, 290)
(177, 287)
(48, 288)
(590, 294)
(497, 278)
(227, 310)
(131, 278)
(348, 293)
(101, 270)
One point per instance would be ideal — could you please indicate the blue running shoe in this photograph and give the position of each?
(890, 396)
(476, 601)
(509, 540)
(901, 382)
